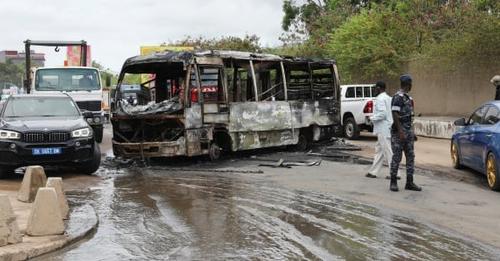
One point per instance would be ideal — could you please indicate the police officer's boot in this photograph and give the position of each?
(410, 185)
(394, 183)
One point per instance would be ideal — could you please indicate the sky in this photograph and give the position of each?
(116, 29)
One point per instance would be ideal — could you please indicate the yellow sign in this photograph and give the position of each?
(150, 49)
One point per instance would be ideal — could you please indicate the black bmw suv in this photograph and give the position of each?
(46, 130)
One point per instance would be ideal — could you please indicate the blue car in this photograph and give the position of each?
(476, 143)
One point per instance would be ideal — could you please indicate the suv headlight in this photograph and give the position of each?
(9, 135)
(81, 133)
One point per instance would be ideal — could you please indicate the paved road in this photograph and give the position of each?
(328, 212)
(152, 214)
(431, 154)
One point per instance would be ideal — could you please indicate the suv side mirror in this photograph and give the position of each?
(460, 122)
(87, 114)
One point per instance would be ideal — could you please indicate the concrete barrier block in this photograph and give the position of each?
(57, 184)
(34, 178)
(435, 127)
(9, 229)
(45, 217)
(4, 234)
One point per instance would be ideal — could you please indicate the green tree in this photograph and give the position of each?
(132, 79)
(109, 77)
(250, 43)
(371, 44)
(11, 73)
(377, 38)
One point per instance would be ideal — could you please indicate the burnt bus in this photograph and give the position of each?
(205, 102)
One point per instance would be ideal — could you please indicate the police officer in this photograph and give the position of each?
(402, 134)
(496, 82)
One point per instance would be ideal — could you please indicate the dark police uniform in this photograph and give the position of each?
(403, 103)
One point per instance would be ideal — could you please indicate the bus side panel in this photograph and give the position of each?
(254, 125)
(193, 117)
(197, 141)
(263, 139)
(309, 113)
(259, 116)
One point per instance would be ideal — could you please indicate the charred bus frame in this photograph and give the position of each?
(205, 102)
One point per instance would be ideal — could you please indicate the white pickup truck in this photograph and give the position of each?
(357, 102)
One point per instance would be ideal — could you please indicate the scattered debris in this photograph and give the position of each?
(336, 156)
(346, 147)
(167, 106)
(210, 170)
(281, 163)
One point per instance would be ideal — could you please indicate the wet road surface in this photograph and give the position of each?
(149, 214)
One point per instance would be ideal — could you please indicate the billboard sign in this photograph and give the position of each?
(73, 56)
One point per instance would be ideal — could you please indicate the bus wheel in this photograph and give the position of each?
(303, 143)
(214, 152)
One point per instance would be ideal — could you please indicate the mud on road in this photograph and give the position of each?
(158, 212)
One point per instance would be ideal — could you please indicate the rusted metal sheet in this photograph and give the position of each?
(308, 113)
(220, 118)
(193, 117)
(150, 149)
(259, 116)
(209, 61)
(210, 108)
(263, 139)
(279, 115)
(196, 138)
(193, 142)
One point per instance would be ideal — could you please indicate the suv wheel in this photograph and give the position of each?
(351, 129)
(98, 135)
(6, 172)
(89, 167)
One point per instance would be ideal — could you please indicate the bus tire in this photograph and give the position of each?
(303, 144)
(214, 151)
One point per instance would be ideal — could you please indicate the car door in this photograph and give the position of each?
(357, 109)
(465, 143)
(348, 100)
(483, 136)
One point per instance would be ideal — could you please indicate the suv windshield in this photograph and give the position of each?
(67, 79)
(40, 107)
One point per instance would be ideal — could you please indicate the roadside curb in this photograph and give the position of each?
(82, 222)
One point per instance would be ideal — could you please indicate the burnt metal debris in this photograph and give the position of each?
(167, 106)
(205, 102)
(281, 163)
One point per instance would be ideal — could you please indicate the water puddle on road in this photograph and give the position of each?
(157, 215)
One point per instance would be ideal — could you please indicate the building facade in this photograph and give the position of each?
(37, 59)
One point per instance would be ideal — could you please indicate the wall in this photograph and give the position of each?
(444, 92)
